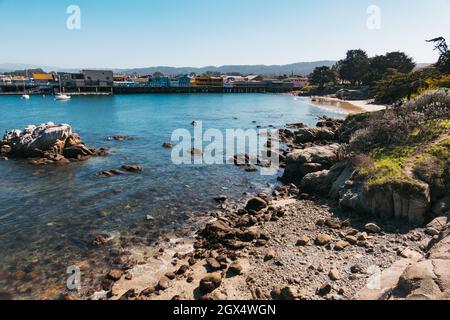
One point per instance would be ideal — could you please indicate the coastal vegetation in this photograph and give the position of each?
(385, 78)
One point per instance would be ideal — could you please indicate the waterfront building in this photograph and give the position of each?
(4, 79)
(184, 81)
(71, 80)
(98, 78)
(207, 81)
(43, 77)
(159, 81)
(298, 82)
(121, 77)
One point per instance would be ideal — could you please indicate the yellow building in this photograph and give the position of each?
(43, 76)
(207, 81)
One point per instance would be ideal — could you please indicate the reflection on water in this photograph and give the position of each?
(50, 215)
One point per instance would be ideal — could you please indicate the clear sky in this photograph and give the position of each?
(141, 33)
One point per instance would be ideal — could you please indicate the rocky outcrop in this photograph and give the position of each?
(387, 201)
(46, 144)
(415, 277)
(302, 162)
(328, 182)
(314, 134)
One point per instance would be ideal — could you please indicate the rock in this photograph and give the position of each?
(322, 239)
(5, 149)
(71, 297)
(270, 255)
(72, 140)
(182, 270)
(405, 200)
(411, 254)
(341, 245)
(324, 289)
(129, 295)
(147, 292)
(438, 224)
(132, 168)
(372, 227)
(213, 264)
(34, 140)
(333, 223)
(115, 274)
(210, 283)
(235, 268)
(334, 274)
(351, 239)
(217, 230)
(303, 241)
(357, 268)
(163, 284)
(305, 135)
(256, 204)
(167, 145)
(221, 198)
(249, 234)
(79, 151)
(170, 275)
(431, 232)
(283, 293)
(302, 162)
(192, 261)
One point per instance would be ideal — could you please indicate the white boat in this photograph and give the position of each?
(62, 96)
(25, 97)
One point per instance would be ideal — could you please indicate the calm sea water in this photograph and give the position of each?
(49, 215)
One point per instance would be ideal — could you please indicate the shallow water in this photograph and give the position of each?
(49, 215)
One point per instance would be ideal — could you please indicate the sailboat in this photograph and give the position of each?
(61, 95)
(25, 96)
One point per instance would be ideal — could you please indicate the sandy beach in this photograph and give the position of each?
(350, 107)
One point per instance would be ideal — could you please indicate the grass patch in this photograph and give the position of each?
(386, 165)
(433, 166)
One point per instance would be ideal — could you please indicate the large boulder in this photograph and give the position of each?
(388, 201)
(47, 144)
(312, 134)
(415, 278)
(37, 139)
(302, 162)
(328, 182)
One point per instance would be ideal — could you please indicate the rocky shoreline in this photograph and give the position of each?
(305, 240)
(47, 144)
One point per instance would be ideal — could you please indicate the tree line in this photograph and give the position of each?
(388, 77)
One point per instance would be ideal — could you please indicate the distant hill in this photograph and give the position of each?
(301, 68)
(9, 67)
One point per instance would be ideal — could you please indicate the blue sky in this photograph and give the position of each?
(137, 33)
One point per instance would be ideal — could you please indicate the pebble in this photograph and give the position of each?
(322, 239)
(115, 274)
(210, 283)
(372, 227)
(334, 274)
(303, 241)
